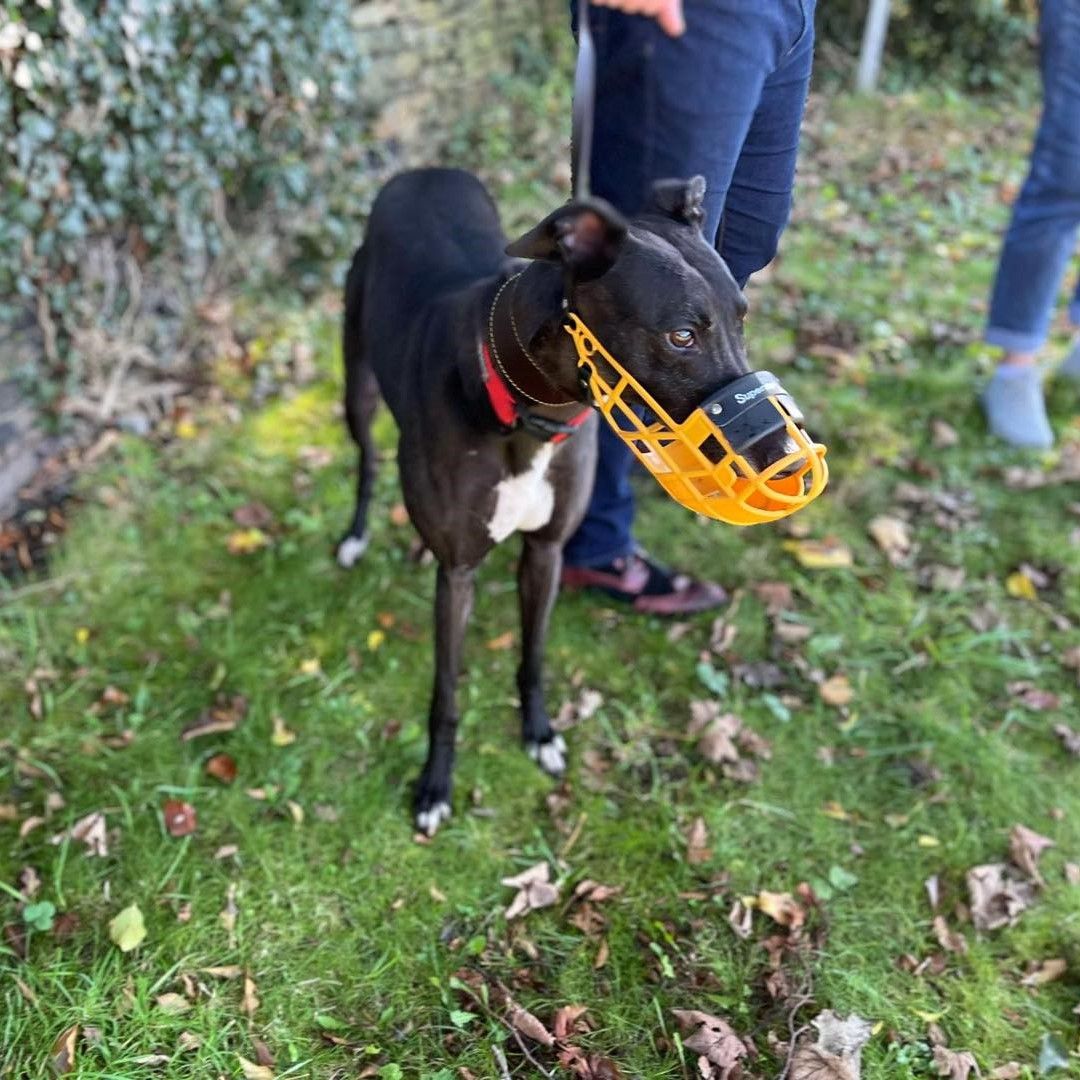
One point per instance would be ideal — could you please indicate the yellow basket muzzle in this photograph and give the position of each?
(700, 462)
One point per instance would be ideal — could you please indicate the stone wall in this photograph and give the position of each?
(430, 61)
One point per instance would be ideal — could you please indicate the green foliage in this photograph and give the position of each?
(152, 123)
(974, 44)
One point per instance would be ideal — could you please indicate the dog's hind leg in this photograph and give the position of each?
(538, 584)
(453, 605)
(361, 403)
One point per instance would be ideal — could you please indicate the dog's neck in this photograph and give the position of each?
(528, 344)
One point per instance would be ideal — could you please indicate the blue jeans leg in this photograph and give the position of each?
(1041, 238)
(725, 100)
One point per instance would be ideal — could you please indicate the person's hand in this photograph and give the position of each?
(668, 13)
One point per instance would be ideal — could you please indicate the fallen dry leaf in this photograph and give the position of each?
(1033, 697)
(62, 1054)
(713, 1038)
(250, 1002)
(827, 554)
(281, 735)
(837, 1054)
(224, 715)
(127, 931)
(1010, 1071)
(836, 691)
(594, 891)
(1070, 739)
(697, 839)
(253, 515)
(782, 908)
(1047, 971)
(949, 940)
(534, 891)
(1072, 873)
(399, 516)
(247, 541)
(741, 919)
(228, 971)
(576, 712)
(955, 1064)
(252, 1071)
(262, 1053)
(502, 642)
(172, 1003)
(997, 898)
(717, 732)
(180, 819)
(523, 1021)
(1025, 847)
(892, 535)
(943, 435)
(221, 767)
(1021, 586)
(91, 831)
(566, 1020)
(777, 596)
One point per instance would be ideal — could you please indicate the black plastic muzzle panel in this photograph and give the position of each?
(743, 411)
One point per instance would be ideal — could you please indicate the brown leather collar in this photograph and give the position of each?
(512, 359)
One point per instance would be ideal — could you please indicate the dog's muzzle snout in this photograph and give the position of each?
(741, 456)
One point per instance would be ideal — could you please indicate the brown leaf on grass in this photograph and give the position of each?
(713, 1038)
(697, 839)
(836, 691)
(955, 1064)
(172, 1003)
(262, 1053)
(1025, 847)
(180, 818)
(837, 1054)
(524, 1022)
(943, 435)
(221, 767)
(1072, 873)
(246, 541)
(1010, 1071)
(399, 516)
(224, 715)
(567, 1022)
(8, 812)
(1070, 739)
(227, 971)
(62, 1054)
(782, 908)
(892, 535)
(250, 1001)
(594, 891)
(28, 881)
(576, 712)
(949, 940)
(777, 596)
(253, 1071)
(253, 515)
(502, 642)
(1046, 972)
(1032, 697)
(188, 1040)
(588, 920)
(741, 919)
(997, 898)
(91, 831)
(717, 732)
(535, 891)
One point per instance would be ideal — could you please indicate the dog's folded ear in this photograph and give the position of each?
(584, 235)
(683, 200)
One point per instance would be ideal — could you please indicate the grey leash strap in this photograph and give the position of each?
(584, 93)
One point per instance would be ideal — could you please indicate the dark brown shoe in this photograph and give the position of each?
(646, 586)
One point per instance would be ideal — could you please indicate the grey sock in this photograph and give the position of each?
(1015, 409)
(1070, 366)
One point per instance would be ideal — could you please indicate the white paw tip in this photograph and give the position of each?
(350, 549)
(428, 821)
(550, 756)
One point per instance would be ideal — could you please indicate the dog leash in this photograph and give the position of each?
(584, 96)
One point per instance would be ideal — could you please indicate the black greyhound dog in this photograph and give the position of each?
(467, 348)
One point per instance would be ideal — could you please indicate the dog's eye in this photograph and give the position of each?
(681, 339)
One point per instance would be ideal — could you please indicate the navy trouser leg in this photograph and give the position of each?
(725, 100)
(1042, 234)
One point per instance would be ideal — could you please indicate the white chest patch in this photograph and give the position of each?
(524, 503)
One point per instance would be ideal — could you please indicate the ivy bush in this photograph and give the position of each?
(160, 123)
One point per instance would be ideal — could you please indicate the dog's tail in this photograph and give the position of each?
(361, 403)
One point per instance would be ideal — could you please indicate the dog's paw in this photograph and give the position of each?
(549, 755)
(351, 549)
(429, 820)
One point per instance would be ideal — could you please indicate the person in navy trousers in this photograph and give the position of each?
(716, 87)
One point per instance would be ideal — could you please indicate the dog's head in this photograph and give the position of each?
(657, 295)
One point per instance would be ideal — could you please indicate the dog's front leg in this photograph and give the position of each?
(453, 605)
(538, 584)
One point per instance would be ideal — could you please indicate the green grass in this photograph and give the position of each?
(351, 930)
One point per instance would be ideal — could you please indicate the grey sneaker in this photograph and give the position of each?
(1015, 409)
